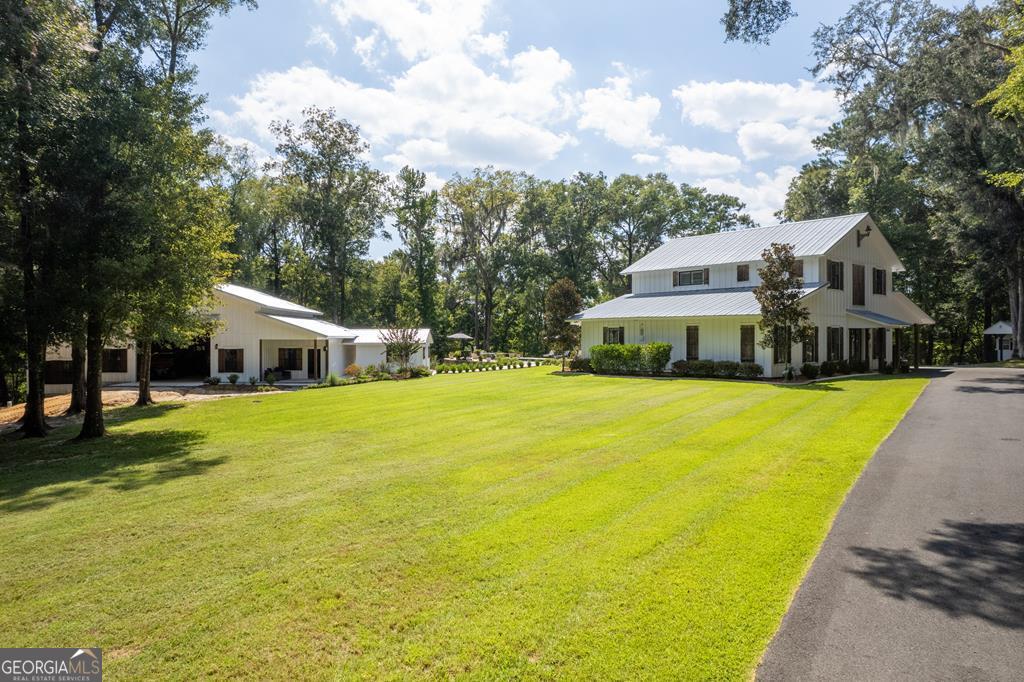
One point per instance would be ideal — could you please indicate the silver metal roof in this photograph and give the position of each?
(877, 317)
(375, 336)
(266, 300)
(705, 303)
(909, 310)
(808, 237)
(318, 327)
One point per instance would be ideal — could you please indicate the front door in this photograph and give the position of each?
(313, 363)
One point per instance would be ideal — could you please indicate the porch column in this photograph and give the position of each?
(335, 357)
(917, 349)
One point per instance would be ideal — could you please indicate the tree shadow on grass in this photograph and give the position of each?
(965, 569)
(55, 469)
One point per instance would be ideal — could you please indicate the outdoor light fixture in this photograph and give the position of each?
(862, 237)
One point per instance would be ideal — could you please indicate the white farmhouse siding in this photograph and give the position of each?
(370, 349)
(259, 325)
(706, 281)
(61, 355)
(255, 332)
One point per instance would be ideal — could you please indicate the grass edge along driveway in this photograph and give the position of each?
(507, 524)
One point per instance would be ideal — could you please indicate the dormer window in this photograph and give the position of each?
(798, 269)
(743, 273)
(689, 278)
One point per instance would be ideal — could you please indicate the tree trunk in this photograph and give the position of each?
(488, 316)
(92, 425)
(987, 345)
(77, 377)
(5, 391)
(143, 371)
(1016, 292)
(34, 420)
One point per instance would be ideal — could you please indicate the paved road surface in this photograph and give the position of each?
(922, 574)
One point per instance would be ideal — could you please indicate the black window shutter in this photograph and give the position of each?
(707, 275)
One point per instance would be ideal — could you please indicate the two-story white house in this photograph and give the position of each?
(697, 294)
(254, 332)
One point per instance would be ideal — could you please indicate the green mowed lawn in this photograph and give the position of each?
(508, 524)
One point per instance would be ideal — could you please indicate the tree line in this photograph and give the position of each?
(476, 255)
(114, 220)
(121, 210)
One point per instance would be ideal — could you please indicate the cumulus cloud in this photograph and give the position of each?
(699, 162)
(727, 106)
(319, 37)
(419, 28)
(369, 49)
(646, 159)
(769, 119)
(763, 139)
(763, 197)
(444, 110)
(620, 116)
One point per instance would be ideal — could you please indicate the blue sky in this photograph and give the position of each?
(546, 87)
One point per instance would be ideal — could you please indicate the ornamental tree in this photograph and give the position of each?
(784, 319)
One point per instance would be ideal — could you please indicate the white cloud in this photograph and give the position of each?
(491, 45)
(369, 49)
(763, 139)
(763, 197)
(699, 162)
(646, 159)
(618, 115)
(319, 37)
(419, 28)
(444, 110)
(727, 106)
(770, 119)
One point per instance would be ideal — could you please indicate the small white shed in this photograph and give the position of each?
(1003, 334)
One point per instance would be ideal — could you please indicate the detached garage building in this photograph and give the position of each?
(256, 332)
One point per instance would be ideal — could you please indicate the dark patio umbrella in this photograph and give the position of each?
(461, 338)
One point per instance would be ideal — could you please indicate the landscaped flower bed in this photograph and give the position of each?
(485, 366)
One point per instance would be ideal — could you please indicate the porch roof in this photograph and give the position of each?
(322, 328)
(733, 301)
(373, 336)
(878, 318)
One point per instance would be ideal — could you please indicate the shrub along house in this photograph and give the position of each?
(255, 333)
(696, 293)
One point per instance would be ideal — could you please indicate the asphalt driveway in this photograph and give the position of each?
(922, 574)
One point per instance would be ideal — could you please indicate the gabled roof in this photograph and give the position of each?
(808, 237)
(266, 300)
(1001, 327)
(319, 327)
(374, 335)
(703, 303)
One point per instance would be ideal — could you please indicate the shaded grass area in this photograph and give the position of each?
(507, 524)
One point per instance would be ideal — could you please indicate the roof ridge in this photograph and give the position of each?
(766, 227)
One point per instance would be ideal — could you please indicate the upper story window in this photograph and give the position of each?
(798, 269)
(686, 278)
(880, 281)
(743, 273)
(858, 284)
(835, 274)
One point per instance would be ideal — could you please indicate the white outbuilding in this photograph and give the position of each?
(255, 333)
(1003, 335)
